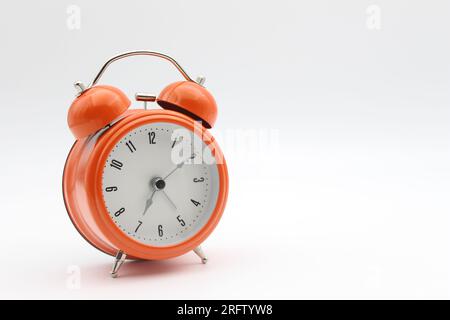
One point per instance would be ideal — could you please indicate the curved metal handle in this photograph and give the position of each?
(138, 53)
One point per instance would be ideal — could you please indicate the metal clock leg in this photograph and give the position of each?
(199, 251)
(118, 262)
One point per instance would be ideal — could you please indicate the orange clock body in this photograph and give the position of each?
(82, 188)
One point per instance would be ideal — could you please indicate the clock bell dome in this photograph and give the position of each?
(190, 98)
(95, 108)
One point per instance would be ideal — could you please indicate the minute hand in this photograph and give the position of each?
(178, 166)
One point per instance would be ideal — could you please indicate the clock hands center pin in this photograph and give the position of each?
(158, 184)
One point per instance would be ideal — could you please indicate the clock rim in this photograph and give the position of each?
(100, 215)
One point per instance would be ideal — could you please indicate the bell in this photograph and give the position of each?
(191, 99)
(95, 108)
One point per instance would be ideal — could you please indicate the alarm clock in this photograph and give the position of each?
(144, 184)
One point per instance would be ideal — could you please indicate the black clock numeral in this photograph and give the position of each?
(160, 230)
(110, 189)
(116, 164)
(181, 221)
(196, 203)
(131, 146)
(139, 225)
(199, 180)
(151, 137)
(176, 141)
(119, 212)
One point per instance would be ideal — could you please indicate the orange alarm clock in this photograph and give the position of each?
(144, 184)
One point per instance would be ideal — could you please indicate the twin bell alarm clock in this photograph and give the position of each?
(144, 184)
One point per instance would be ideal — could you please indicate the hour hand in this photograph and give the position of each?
(148, 203)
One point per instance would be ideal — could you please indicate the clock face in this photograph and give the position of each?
(160, 185)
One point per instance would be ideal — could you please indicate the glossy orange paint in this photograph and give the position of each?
(82, 188)
(95, 108)
(190, 98)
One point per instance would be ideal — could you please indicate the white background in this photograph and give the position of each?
(349, 197)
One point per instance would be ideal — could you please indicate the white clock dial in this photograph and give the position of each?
(152, 189)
